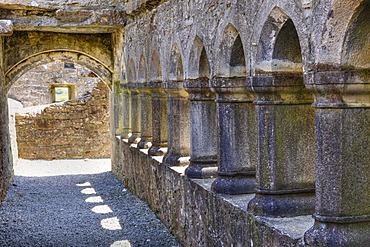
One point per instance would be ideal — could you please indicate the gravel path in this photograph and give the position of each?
(75, 203)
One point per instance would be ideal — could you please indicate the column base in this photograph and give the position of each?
(282, 205)
(134, 139)
(234, 185)
(200, 171)
(338, 234)
(175, 160)
(171, 159)
(126, 133)
(144, 144)
(156, 151)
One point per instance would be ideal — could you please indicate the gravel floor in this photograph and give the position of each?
(76, 203)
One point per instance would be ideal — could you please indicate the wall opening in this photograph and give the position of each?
(287, 56)
(59, 112)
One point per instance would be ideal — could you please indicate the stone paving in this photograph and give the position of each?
(75, 203)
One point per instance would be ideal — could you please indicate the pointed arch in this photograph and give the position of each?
(176, 72)
(334, 30)
(131, 72)
(231, 57)
(198, 61)
(142, 72)
(356, 46)
(279, 49)
(155, 69)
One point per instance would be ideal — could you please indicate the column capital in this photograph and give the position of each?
(144, 88)
(340, 89)
(134, 87)
(156, 87)
(279, 89)
(124, 88)
(175, 88)
(6, 27)
(199, 89)
(232, 89)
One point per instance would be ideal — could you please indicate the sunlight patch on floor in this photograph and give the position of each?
(122, 243)
(102, 209)
(94, 199)
(86, 184)
(45, 168)
(111, 224)
(88, 191)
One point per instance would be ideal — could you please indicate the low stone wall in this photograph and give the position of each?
(74, 129)
(196, 215)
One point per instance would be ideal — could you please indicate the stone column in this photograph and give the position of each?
(6, 159)
(178, 115)
(118, 107)
(237, 136)
(135, 113)
(203, 127)
(126, 112)
(286, 137)
(146, 117)
(342, 215)
(159, 119)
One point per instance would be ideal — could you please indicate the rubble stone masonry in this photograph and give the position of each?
(75, 129)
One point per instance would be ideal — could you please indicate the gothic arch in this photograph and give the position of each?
(356, 45)
(176, 68)
(155, 69)
(334, 31)
(142, 72)
(198, 60)
(231, 54)
(28, 63)
(131, 72)
(278, 48)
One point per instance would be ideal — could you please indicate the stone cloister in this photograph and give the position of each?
(240, 123)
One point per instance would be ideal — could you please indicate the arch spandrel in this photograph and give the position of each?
(15, 72)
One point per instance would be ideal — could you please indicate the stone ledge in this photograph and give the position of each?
(196, 215)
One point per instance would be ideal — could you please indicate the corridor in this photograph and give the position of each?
(75, 203)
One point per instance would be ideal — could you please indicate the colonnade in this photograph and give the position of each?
(266, 135)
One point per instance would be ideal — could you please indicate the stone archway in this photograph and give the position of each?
(101, 70)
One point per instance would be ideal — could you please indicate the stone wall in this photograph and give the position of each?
(75, 129)
(34, 87)
(196, 215)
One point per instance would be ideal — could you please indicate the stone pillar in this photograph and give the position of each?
(342, 215)
(237, 136)
(118, 108)
(203, 127)
(178, 119)
(146, 118)
(135, 113)
(159, 119)
(126, 112)
(286, 137)
(6, 159)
